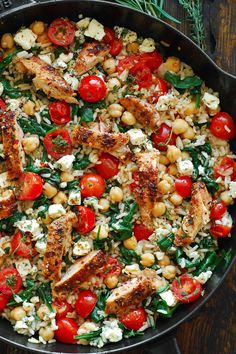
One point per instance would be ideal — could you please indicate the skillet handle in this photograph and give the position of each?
(6, 5)
(167, 345)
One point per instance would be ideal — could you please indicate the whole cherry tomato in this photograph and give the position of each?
(183, 186)
(92, 185)
(226, 168)
(86, 220)
(85, 303)
(116, 47)
(3, 301)
(58, 143)
(186, 289)
(30, 186)
(142, 74)
(109, 35)
(67, 330)
(10, 281)
(62, 307)
(160, 90)
(59, 112)
(141, 232)
(163, 137)
(21, 245)
(108, 166)
(153, 60)
(218, 209)
(112, 267)
(61, 32)
(92, 88)
(222, 126)
(134, 319)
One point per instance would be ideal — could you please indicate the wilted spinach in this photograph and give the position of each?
(45, 294)
(42, 202)
(166, 242)
(7, 225)
(128, 256)
(80, 163)
(186, 83)
(122, 227)
(11, 91)
(7, 60)
(25, 295)
(30, 125)
(97, 314)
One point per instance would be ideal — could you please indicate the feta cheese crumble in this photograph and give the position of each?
(81, 248)
(137, 137)
(147, 46)
(204, 276)
(65, 163)
(211, 101)
(56, 210)
(25, 38)
(95, 30)
(74, 197)
(111, 332)
(232, 189)
(185, 167)
(168, 297)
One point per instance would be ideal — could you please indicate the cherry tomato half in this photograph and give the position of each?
(112, 267)
(141, 232)
(163, 137)
(30, 186)
(67, 330)
(161, 89)
(134, 319)
(85, 303)
(58, 143)
(109, 35)
(92, 185)
(142, 74)
(92, 88)
(220, 230)
(218, 209)
(127, 63)
(222, 126)
(108, 166)
(21, 245)
(3, 301)
(62, 307)
(153, 60)
(226, 168)
(59, 112)
(86, 220)
(116, 47)
(10, 281)
(183, 186)
(186, 289)
(61, 32)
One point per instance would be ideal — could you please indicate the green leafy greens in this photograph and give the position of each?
(186, 83)
(122, 227)
(30, 125)
(45, 294)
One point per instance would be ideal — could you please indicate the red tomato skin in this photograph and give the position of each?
(135, 182)
(62, 308)
(112, 267)
(141, 232)
(218, 209)
(13, 274)
(59, 112)
(186, 289)
(142, 74)
(92, 185)
(67, 330)
(108, 166)
(109, 35)
(20, 248)
(226, 168)
(152, 60)
(92, 89)
(3, 105)
(222, 126)
(52, 149)
(161, 89)
(31, 186)
(3, 301)
(85, 303)
(134, 319)
(65, 29)
(116, 47)
(163, 137)
(127, 63)
(183, 186)
(86, 220)
(220, 230)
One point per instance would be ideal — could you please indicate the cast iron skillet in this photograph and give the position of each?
(112, 14)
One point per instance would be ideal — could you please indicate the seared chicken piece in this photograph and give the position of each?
(115, 144)
(131, 293)
(58, 242)
(197, 216)
(12, 147)
(144, 112)
(49, 80)
(7, 204)
(80, 271)
(146, 192)
(91, 54)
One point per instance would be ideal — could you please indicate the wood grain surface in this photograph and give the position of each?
(213, 329)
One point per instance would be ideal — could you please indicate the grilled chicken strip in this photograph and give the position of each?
(197, 216)
(91, 54)
(12, 147)
(7, 204)
(144, 112)
(146, 192)
(80, 271)
(115, 144)
(49, 80)
(131, 293)
(58, 242)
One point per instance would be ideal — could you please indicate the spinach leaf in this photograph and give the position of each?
(80, 163)
(164, 310)
(45, 294)
(89, 336)
(166, 243)
(101, 244)
(163, 288)
(226, 256)
(25, 295)
(210, 262)
(127, 333)
(59, 50)
(42, 202)
(7, 225)
(45, 113)
(52, 177)
(211, 185)
(180, 255)
(122, 227)
(128, 256)
(86, 115)
(206, 242)
(74, 110)
(7, 60)
(97, 314)
(186, 83)
(32, 126)
(11, 91)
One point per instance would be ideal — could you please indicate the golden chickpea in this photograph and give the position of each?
(164, 187)
(173, 153)
(20, 67)
(49, 190)
(113, 83)
(189, 110)
(161, 167)
(43, 39)
(109, 66)
(164, 160)
(189, 134)
(28, 107)
(179, 126)
(111, 281)
(38, 27)
(172, 169)
(46, 333)
(100, 232)
(17, 313)
(173, 64)
(66, 176)
(115, 110)
(9, 51)
(128, 118)
(30, 144)
(158, 209)
(147, 259)
(7, 41)
(104, 204)
(130, 243)
(169, 272)
(60, 198)
(165, 261)
(176, 199)
(185, 155)
(43, 312)
(116, 194)
(132, 47)
(226, 197)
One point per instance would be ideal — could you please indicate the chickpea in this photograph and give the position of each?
(47, 220)
(172, 169)
(169, 272)
(30, 143)
(17, 313)
(130, 243)
(185, 155)
(189, 134)
(147, 259)
(161, 168)
(158, 209)
(100, 232)
(109, 66)
(43, 39)
(128, 118)
(132, 47)
(38, 27)
(173, 64)
(111, 281)
(66, 177)
(43, 312)
(116, 194)
(115, 110)
(226, 197)
(49, 190)
(176, 199)
(189, 110)
(7, 41)
(164, 160)
(60, 198)
(28, 107)
(179, 126)
(104, 203)
(112, 97)
(20, 67)
(46, 333)
(113, 83)
(164, 187)
(165, 261)
(173, 153)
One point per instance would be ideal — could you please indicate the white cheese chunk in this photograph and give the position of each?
(232, 189)
(211, 101)
(111, 332)
(1, 89)
(24, 267)
(185, 167)
(65, 162)
(72, 81)
(31, 226)
(95, 30)
(59, 64)
(74, 197)
(81, 248)
(168, 297)
(147, 46)
(66, 57)
(137, 137)
(204, 276)
(46, 58)
(84, 23)
(25, 38)
(56, 210)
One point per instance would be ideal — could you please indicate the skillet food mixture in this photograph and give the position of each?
(116, 175)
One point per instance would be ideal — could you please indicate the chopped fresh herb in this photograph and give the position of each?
(89, 336)
(122, 227)
(80, 163)
(11, 281)
(60, 142)
(166, 242)
(45, 294)
(186, 83)
(32, 126)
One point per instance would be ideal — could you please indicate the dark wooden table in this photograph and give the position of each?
(213, 329)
